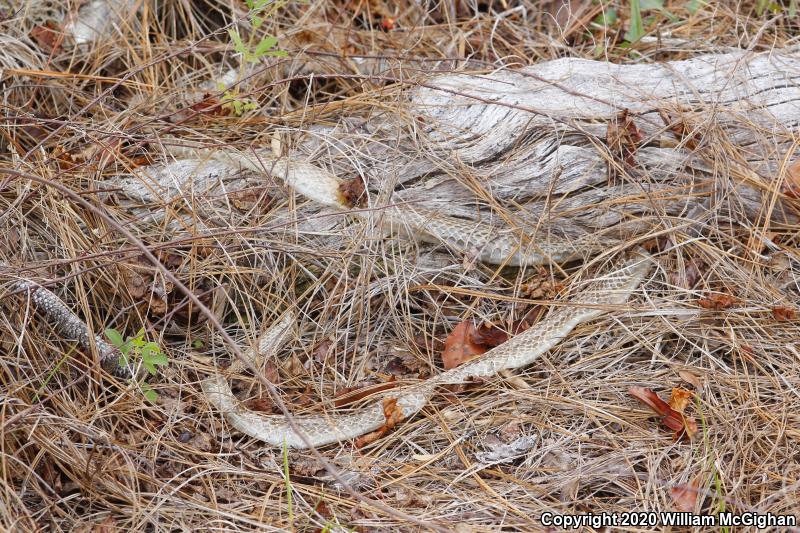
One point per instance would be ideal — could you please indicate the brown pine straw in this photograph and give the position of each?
(84, 451)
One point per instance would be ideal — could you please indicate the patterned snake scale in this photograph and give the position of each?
(591, 299)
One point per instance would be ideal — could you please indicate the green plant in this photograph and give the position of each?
(252, 50)
(51, 374)
(693, 6)
(235, 103)
(137, 350)
(266, 46)
(636, 28)
(289, 502)
(607, 18)
(711, 465)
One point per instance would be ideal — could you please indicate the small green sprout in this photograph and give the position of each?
(267, 46)
(252, 50)
(234, 103)
(137, 349)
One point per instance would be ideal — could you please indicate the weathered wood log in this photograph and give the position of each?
(570, 144)
(715, 133)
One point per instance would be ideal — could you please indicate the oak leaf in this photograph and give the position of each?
(675, 420)
(783, 314)
(718, 301)
(48, 36)
(460, 346)
(684, 496)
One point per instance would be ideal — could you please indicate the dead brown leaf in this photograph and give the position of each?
(393, 414)
(675, 420)
(406, 362)
(460, 347)
(263, 404)
(791, 183)
(692, 273)
(202, 441)
(565, 13)
(322, 350)
(293, 367)
(388, 24)
(251, 199)
(488, 335)
(270, 371)
(108, 525)
(746, 352)
(305, 466)
(717, 301)
(681, 130)
(623, 138)
(684, 496)
(210, 105)
(680, 398)
(690, 378)
(351, 395)
(541, 286)
(784, 314)
(650, 399)
(48, 36)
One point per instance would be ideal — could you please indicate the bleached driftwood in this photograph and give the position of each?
(537, 138)
(533, 142)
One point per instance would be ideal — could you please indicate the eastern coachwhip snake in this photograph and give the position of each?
(591, 298)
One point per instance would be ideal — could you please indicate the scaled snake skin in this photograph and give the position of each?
(592, 299)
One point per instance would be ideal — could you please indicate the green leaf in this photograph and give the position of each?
(651, 4)
(159, 358)
(197, 343)
(607, 18)
(265, 45)
(115, 337)
(149, 394)
(257, 21)
(238, 44)
(137, 342)
(636, 29)
(126, 347)
(150, 367)
(277, 53)
(146, 352)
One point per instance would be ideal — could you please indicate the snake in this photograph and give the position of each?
(590, 299)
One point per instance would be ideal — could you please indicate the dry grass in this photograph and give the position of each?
(82, 452)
